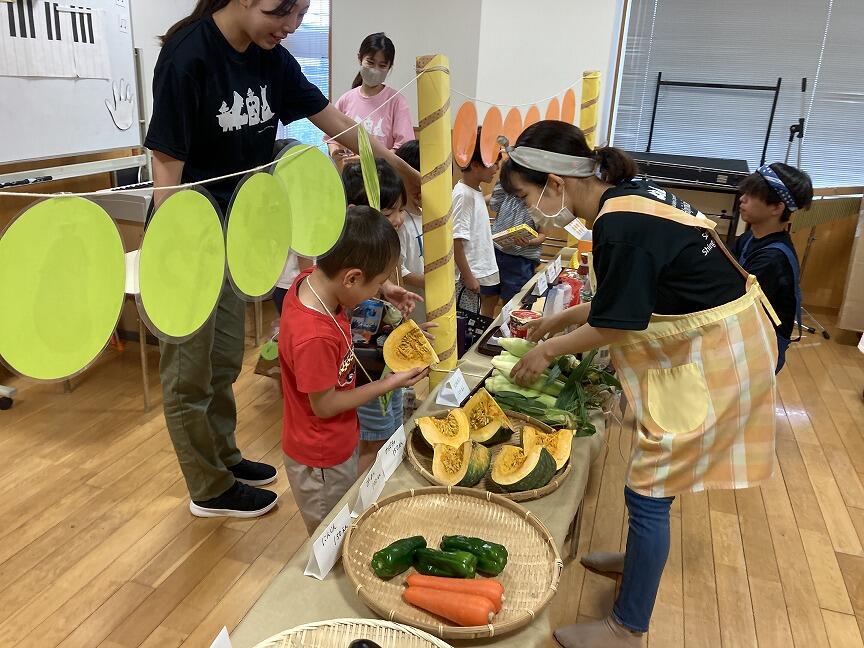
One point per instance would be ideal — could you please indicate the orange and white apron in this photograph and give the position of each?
(702, 385)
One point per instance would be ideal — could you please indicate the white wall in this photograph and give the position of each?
(530, 51)
(502, 51)
(151, 19)
(450, 27)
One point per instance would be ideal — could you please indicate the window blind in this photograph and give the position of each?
(741, 42)
(310, 45)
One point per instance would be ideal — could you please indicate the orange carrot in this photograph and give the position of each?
(486, 587)
(461, 609)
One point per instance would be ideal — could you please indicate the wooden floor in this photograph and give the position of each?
(97, 546)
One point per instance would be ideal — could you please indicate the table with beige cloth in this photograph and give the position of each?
(293, 599)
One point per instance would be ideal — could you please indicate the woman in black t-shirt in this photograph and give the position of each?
(221, 86)
(689, 338)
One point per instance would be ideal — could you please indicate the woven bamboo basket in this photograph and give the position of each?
(420, 457)
(339, 633)
(530, 579)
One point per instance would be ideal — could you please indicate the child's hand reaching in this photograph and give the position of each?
(406, 378)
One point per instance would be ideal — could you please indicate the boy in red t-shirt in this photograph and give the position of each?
(320, 433)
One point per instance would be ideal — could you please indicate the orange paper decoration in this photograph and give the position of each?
(553, 111)
(465, 134)
(513, 126)
(568, 107)
(532, 117)
(493, 126)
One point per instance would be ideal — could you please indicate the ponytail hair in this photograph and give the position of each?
(560, 137)
(206, 8)
(371, 45)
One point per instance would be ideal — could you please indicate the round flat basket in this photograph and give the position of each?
(530, 579)
(420, 457)
(339, 633)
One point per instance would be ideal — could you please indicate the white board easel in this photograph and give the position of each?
(61, 113)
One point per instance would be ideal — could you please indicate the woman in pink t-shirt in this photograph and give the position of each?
(392, 124)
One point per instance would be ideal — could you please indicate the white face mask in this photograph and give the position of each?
(562, 218)
(373, 76)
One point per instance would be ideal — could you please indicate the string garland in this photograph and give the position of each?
(138, 186)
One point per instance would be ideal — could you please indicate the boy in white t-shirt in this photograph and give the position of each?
(477, 270)
(411, 237)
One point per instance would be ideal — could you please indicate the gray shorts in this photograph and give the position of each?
(318, 490)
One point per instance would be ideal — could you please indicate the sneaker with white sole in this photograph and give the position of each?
(253, 473)
(239, 501)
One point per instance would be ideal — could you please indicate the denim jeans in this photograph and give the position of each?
(647, 550)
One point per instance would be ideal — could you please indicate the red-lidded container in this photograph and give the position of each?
(519, 320)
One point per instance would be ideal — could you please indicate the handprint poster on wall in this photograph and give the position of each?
(41, 38)
(122, 105)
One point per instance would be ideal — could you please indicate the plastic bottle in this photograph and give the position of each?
(585, 294)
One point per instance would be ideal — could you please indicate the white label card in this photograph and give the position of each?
(558, 266)
(551, 273)
(454, 390)
(328, 546)
(576, 228)
(505, 330)
(388, 460)
(222, 640)
(542, 284)
(370, 488)
(392, 452)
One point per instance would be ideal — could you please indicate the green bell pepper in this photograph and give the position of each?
(491, 557)
(396, 558)
(450, 564)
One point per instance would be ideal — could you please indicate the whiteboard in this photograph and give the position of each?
(59, 64)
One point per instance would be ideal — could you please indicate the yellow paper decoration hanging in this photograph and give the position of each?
(259, 235)
(182, 266)
(317, 199)
(370, 171)
(63, 280)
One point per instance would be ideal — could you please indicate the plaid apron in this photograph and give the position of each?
(702, 385)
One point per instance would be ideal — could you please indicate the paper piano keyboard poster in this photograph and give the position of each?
(74, 54)
(52, 39)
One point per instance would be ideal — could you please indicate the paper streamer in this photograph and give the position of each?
(553, 110)
(590, 106)
(436, 169)
(63, 280)
(370, 171)
(465, 134)
(317, 200)
(259, 235)
(531, 117)
(568, 107)
(493, 126)
(182, 266)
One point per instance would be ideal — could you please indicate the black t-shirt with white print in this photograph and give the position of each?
(217, 109)
(646, 264)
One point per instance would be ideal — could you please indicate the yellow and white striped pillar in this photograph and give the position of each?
(588, 114)
(436, 169)
(590, 108)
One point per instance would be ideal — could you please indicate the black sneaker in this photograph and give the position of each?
(240, 501)
(253, 473)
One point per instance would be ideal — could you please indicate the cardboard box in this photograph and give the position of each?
(852, 309)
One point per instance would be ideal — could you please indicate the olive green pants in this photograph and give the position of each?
(197, 388)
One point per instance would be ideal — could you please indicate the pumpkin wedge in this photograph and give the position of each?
(489, 424)
(557, 443)
(407, 348)
(515, 470)
(453, 430)
(462, 466)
